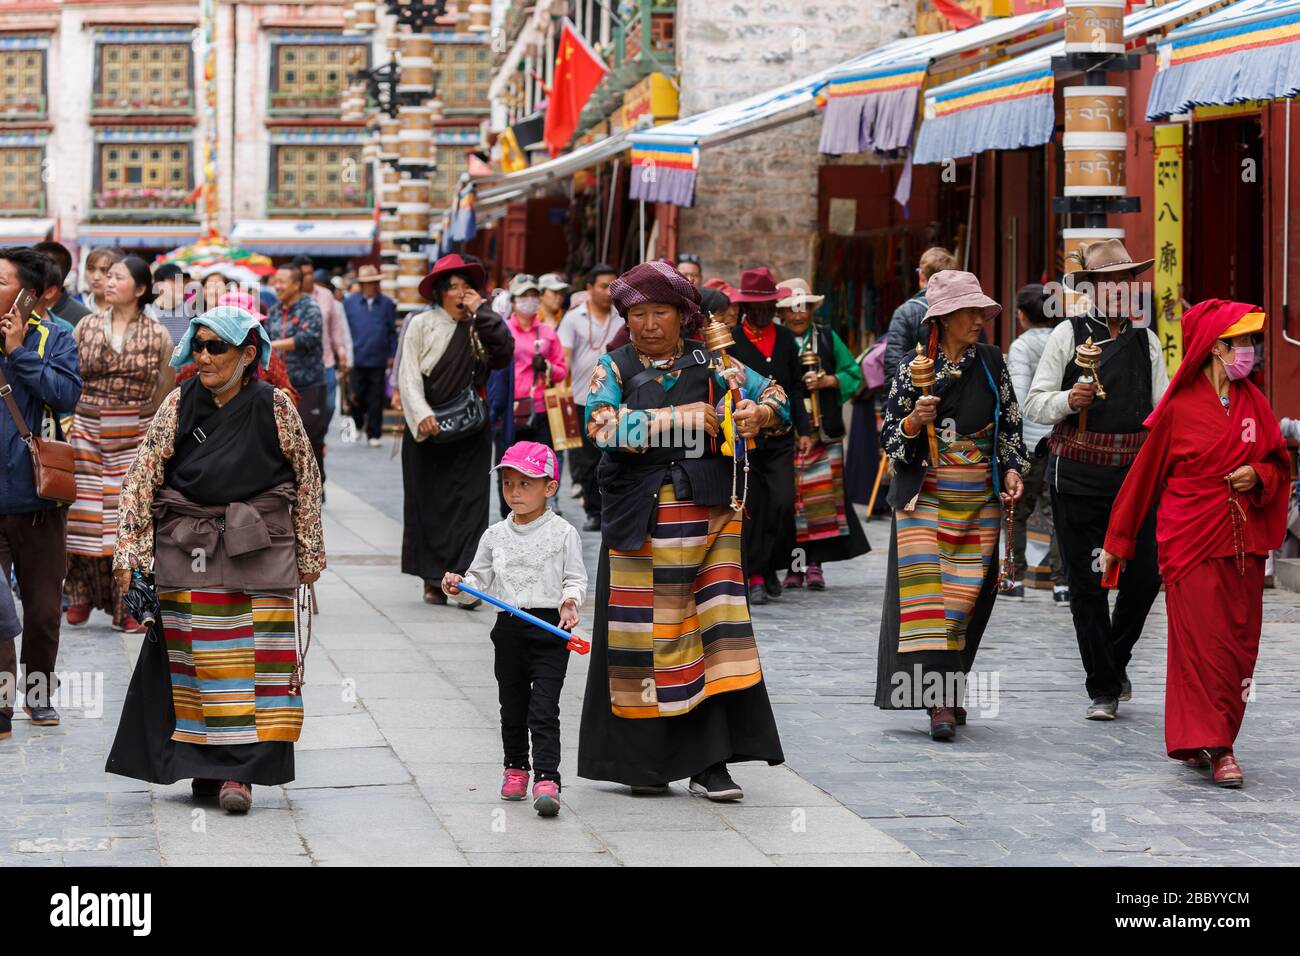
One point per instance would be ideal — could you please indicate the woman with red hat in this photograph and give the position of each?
(770, 350)
(1217, 463)
(447, 447)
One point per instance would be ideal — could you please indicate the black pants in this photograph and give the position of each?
(1105, 640)
(583, 462)
(1036, 498)
(33, 544)
(530, 665)
(311, 408)
(769, 532)
(368, 399)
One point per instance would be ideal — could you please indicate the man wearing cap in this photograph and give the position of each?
(586, 333)
(1089, 458)
(372, 321)
(552, 307)
(770, 350)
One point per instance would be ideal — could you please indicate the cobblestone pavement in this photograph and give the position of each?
(399, 761)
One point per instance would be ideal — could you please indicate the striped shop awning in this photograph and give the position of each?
(1010, 105)
(132, 236)
(872, 106)
(1248, 51)
(312, 237)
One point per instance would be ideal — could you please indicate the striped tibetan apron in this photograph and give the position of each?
(104, 439)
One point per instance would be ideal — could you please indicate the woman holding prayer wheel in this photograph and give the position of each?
(675, 689)
(1216, 462)
(943, 567)
(826, 526)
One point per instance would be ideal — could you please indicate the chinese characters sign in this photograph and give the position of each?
(1169, 241)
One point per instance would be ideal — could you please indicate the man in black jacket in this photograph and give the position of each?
(905, 326)
(66, 307)
(770, 349)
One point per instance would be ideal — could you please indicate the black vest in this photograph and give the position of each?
(1125, 372)
(630, 481)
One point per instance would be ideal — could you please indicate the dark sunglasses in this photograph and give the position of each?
(211, 346)
(687, 257)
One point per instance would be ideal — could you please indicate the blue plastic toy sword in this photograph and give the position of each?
(574, 642)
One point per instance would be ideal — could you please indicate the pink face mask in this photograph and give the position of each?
(1243, 361)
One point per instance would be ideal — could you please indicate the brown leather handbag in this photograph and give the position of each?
(53, 463)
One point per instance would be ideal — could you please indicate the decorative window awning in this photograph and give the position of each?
(23, 232)
(872, 106)
(291, 237)
(1248, 51)
(1010, 105)
(128, 236)
(333, 136)
(144, 134)
(108, 35)
(24, 41)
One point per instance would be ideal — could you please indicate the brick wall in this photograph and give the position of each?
(756, 198)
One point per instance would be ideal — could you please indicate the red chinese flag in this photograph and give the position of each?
(578, 71)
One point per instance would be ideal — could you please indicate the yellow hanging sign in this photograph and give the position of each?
(1168, 214)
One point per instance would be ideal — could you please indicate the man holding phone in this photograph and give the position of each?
(39, 363)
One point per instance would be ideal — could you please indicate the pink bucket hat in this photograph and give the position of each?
(952, 289)
(531, 458)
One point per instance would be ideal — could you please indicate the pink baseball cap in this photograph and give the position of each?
(531, 458)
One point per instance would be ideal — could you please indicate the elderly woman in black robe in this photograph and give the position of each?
(675, 688)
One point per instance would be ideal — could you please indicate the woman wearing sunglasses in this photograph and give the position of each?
(223, 503)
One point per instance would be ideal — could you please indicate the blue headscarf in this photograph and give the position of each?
(230, 323)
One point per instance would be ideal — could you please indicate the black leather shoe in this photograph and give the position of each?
(716, 784)
(772, 584)
(592, 523)
(42, 716)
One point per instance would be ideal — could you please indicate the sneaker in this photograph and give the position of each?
(943, 723)
(42, 716)
(1016, 592)
(816, 581)
(131, 626)
(236, 797)
(78, 613)
(771, 584)
(514, 784)
(6, 727)
(649, 789)
(1125, 688)
(1226, 771)
(1061, 596)
(1102, 708)
(757, 594)
(716, 784)
(793, 580)
(546, 798)
(592, 523)
(204, 789)
(374, 442)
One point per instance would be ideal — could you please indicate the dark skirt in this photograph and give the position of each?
(144, 750)
(445, 504)
(730, 728)
(843, 548)
(924, 668)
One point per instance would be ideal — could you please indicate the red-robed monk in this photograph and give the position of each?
(1216, 460)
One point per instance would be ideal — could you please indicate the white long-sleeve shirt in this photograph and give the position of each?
(1022, 361)
(534, 565)
(1047, 404)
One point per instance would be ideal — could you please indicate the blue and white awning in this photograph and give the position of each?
(292, 237)
(1248, 51)
(130, 236)
(1010, 105)
(872, 106)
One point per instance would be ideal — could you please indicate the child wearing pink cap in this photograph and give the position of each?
(531, 560)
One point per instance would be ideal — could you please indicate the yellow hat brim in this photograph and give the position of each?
(1248, 324)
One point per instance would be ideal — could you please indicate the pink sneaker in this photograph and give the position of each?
(546, 798)
(816, 582)
(514, 785)
(793, 579)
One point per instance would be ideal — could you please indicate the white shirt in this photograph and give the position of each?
(586, 339)
(1047, 404)
(425, 337)
(534, 565)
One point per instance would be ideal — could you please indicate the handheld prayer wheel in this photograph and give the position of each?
(812, 362)
(922, 367)
(1086, 356)
(717, 339)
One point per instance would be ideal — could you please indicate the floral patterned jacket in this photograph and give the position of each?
(135, 544)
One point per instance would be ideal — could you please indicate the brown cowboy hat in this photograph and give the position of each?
(368, 273)
(758, 285)
(1106, 260)
(453, 263)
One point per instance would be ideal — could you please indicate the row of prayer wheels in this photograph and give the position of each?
(1096, 117)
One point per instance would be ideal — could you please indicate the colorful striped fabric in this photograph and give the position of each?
(819, 494)
(232, 655)
(104, 440)
(679, 627)
(1241, 38)
(945, 547)
(1001, 90)
(878, 81)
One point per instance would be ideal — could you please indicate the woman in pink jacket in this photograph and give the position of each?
(539, 361)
